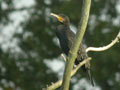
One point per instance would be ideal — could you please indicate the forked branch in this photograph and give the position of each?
(59, 83)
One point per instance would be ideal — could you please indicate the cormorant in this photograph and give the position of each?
(66, 39)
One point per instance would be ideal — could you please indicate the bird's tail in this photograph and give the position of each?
(90, 76)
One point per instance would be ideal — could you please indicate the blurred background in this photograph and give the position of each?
(30, 53)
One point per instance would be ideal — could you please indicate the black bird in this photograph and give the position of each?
(66, 38)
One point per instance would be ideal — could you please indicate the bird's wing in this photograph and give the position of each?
(71, 36)
(81, 53)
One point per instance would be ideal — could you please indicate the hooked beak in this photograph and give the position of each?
(61, 19)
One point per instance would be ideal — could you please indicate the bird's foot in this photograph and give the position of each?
(63, 56)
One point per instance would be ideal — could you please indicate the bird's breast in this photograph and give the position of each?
(63, 39)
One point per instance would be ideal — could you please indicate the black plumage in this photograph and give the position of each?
(66, 38)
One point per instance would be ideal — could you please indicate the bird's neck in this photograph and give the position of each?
(66, 26)
(62, 29)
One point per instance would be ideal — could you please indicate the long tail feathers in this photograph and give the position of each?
(90, 77)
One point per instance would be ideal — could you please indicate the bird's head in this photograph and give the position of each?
(61, 18)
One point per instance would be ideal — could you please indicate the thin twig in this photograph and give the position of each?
(59, 83)
(105, 47)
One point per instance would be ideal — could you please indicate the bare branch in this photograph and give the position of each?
(105, 47)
